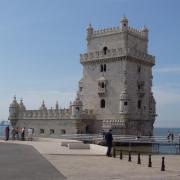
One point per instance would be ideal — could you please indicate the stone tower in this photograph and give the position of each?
(117, 79)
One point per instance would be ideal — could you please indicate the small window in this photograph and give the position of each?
(105, 50)
(124, 24)
(51, 131)
(102, 68)
(139, 104)
(102, 85)
(139, 69)
(102, 103)
(125, 103)
(41, 131)
(63, 131)
(77, 109)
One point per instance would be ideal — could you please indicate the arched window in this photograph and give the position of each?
(105, 50)
(102, 85)
(139, 104)
(41, 131)
(103, 103)
(77, 109)
(51, 131)
(104, 67)
(63, 131)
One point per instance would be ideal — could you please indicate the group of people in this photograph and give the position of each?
(170, 136)
(19, 133)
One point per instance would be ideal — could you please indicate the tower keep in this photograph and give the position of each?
(115, 91)
(117, 79)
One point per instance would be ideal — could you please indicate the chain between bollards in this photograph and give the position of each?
(163, 165)
(139, 158)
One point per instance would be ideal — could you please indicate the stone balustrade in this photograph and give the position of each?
(120, 52)
(113, 123)
(52, 114)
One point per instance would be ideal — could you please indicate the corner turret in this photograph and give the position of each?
(43, 107)
(124, 103)
(13, 112)
(89, 32)
(124, 23)
(21, 106)
(76, 107)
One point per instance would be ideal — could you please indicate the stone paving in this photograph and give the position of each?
(93, 165)
(22, 162)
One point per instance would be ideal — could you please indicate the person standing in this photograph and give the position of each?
(30, 134)
(109, 140)
(7, 133)
(23, 134)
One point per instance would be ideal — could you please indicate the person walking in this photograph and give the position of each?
(109, 140)
(7, 133)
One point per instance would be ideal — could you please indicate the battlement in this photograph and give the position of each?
(114, 53)
(108, 31)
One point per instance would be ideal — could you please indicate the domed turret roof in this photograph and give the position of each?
(77, 102)
(43, 107)
(21, 105)
(14, 104)
(124, 19)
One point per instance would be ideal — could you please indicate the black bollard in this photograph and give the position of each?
(139, 158)
(121, 155)
(129, 156)
(114, 152)
(163, 165)
(150, 163)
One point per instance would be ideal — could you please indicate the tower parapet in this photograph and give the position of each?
(141, 33)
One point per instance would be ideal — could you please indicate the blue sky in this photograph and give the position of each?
(40, 43)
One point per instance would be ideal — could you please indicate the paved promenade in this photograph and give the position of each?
(22, 162)
(93, 165)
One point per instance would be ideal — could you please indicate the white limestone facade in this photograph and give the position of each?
(115, 91)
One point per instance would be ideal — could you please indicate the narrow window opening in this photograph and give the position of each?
(77, 109)
(104, 67)
(102, 103)
(139, 69)
(101, 67)
(102, 85)
(139, 104)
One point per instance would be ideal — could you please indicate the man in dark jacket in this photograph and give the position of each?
(109, 139)
(7, 133)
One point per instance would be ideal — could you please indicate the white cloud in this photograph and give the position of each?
(167, 70)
